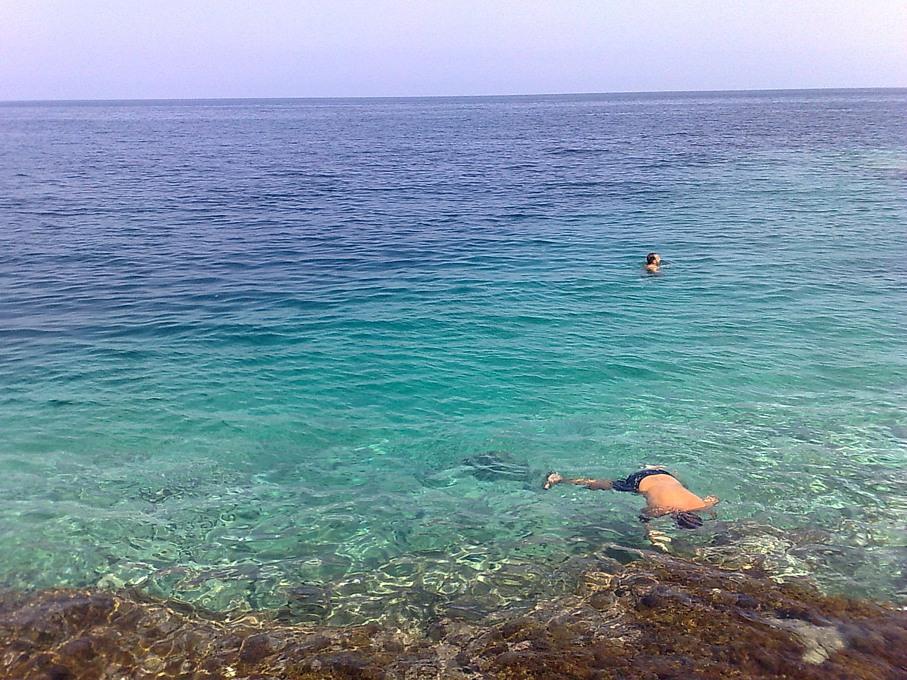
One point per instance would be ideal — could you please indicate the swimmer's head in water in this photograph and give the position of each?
(653, 258)
(687, 520)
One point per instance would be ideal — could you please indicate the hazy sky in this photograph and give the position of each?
(73, 49)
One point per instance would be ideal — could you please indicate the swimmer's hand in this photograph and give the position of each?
(710, 502)
(551, 479)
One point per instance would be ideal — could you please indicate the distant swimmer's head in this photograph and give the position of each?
(653, 262)
(687, 520)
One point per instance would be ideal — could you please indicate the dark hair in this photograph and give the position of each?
(650, 258)
(687, 520)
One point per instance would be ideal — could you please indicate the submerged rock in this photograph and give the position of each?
(656, 616)
(306, 603)
(819, 642)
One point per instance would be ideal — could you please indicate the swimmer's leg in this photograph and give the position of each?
(659, 540)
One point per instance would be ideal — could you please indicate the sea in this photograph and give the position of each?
(314, 358)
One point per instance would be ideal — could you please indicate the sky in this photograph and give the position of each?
(141, 49)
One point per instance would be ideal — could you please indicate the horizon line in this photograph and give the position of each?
(448, 96)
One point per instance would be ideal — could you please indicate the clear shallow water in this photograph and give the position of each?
(245, 347)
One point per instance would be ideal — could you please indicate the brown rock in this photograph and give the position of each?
(255, 648)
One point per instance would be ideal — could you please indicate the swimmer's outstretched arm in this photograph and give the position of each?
(595, 484)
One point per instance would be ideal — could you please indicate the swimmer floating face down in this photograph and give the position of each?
(664, 495)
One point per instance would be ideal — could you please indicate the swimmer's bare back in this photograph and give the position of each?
(665, 495)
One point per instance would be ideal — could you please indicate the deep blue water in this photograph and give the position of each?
(249, 347)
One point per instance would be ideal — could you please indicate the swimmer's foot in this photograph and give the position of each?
(551, 479)
(659, 540)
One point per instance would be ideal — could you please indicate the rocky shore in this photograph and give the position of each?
(633, 615)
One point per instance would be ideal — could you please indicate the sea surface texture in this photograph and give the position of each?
(314, 358)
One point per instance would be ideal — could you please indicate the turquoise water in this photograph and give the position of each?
(248, 348)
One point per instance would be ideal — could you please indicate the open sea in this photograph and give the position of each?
(314, 357)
